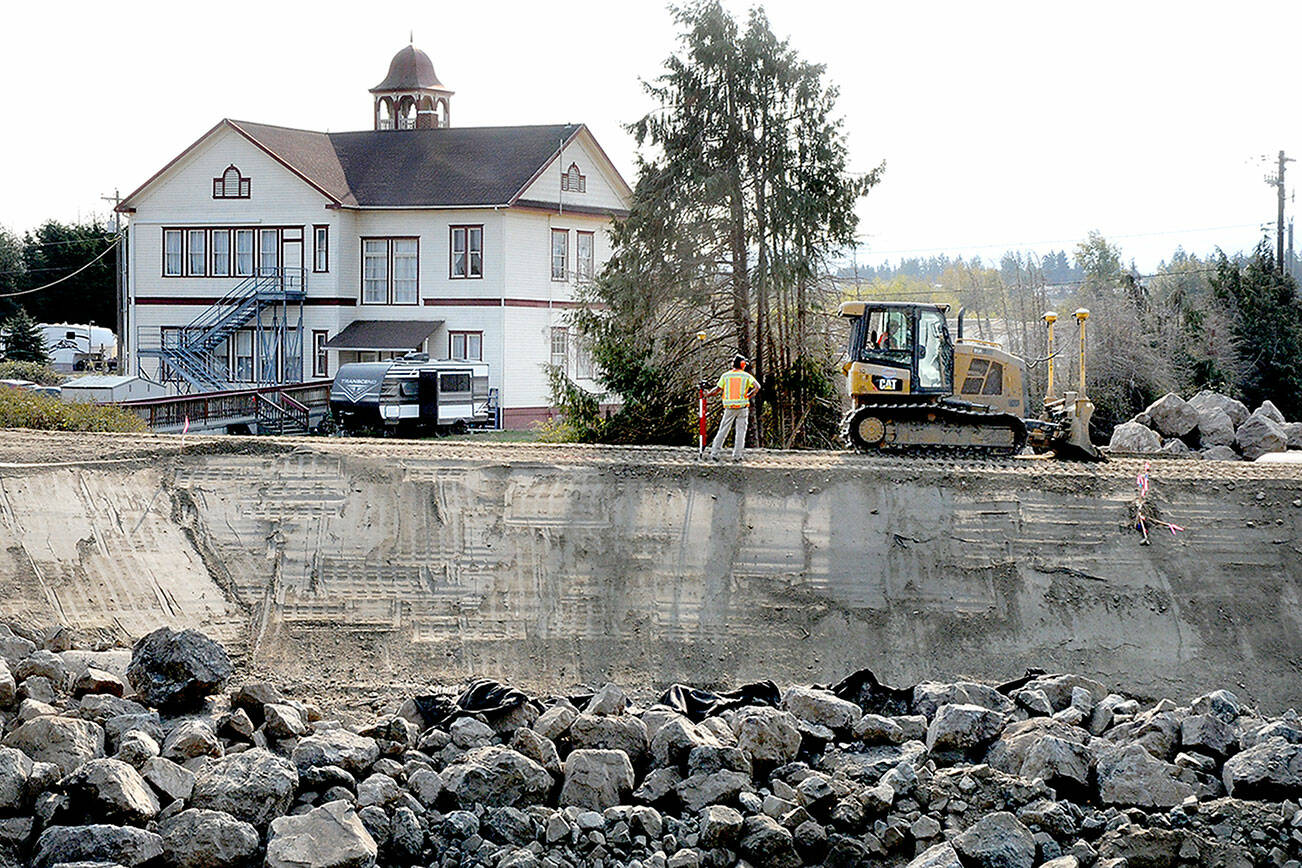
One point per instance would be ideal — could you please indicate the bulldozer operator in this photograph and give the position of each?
(737, 387)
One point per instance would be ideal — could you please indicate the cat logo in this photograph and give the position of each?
(887, 384)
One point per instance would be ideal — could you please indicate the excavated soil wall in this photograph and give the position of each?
(342, 564)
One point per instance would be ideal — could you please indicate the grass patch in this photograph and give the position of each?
(22, 409)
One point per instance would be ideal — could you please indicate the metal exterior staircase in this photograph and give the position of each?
(188, 353)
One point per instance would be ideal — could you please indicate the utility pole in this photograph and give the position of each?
(1277, 181)
(119, 279)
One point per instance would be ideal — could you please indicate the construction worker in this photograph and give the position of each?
(737, 386)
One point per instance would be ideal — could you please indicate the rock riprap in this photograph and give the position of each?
(170, 769)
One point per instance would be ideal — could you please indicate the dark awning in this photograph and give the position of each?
(383, 335)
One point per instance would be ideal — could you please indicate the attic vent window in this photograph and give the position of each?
(572, 181)
(231, 185)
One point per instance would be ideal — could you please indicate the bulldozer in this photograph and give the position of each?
(914, 390)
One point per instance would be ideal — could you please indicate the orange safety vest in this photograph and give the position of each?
(734, 385)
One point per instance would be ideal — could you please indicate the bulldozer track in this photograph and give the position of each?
(21, 450)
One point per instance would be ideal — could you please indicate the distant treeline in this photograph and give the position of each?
(1056, 267)
(58, 253)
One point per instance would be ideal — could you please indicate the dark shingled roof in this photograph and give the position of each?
(457, 166)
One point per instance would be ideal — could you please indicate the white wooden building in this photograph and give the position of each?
(263, 254)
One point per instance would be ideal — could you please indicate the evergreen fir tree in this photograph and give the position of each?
(23, 341)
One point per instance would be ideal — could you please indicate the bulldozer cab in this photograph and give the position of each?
(899, 348)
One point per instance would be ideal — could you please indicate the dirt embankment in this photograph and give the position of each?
(363, 562)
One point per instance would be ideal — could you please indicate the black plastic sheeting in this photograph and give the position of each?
(864, 690)
(483, 697)
(491, 699)
(696, 704)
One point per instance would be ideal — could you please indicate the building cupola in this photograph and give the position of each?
(411, 97)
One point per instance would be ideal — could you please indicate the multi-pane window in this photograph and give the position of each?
(467, 251)
(404, 271)
(226, 252)
(583, 367)
(268, 251)
(196, 252)
(390, 271)
(221, 253)
(466, 345)
(172, 256)
(242, 359)
(375, 271)
(321, 248)
(320, 356)
(560, 347)
(585, 261)
(243, 252)
(560, 253)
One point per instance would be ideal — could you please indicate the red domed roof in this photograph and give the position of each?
(410, 69)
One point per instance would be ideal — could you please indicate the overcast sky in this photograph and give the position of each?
(1003, 124)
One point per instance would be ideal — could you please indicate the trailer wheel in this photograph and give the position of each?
(460, 427)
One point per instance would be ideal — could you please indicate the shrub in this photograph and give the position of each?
(20, 408)
(37, 373)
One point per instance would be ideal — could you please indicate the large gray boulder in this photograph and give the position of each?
(713, 788)
(821, 707)
(767, 735)
(597, 779)
(1236, 410)
(1133, 437)
(15, 773)
(997, 840)
(765, 842)
(940, 855)
(960, 727)
(336, 747)
(254, 786)
(719, 826)
(674, 741)
(601, 732)
(331, 836)
(1215, 428)
(1293, 431)
(1130, 775)
(196, 838)
(1269, 770)
(496, 776)
(1260, 435)
(1219, 453)
(1172, 416)
(1270, 411)
(111, 790)
(177, 669)
(65, 741)
(113, 845)
(929, 696)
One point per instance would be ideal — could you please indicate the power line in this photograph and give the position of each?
(66, 276)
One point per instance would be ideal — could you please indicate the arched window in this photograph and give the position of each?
(572, 181)
(231, 185)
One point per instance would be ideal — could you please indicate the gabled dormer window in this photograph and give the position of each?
(231, 185)
(572, 181)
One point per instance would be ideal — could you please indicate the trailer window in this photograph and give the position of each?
(454, 383)
(409, 389)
